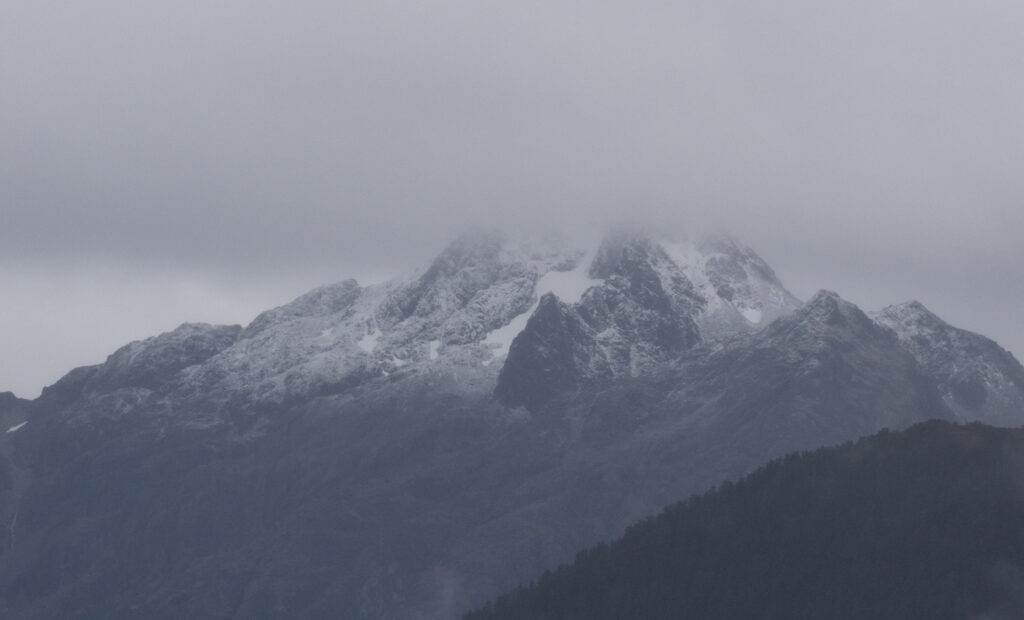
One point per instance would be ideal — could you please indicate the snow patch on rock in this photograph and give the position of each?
(470, 304)
(740, 290)
(568, 286)
(369, 342)
(752, 315)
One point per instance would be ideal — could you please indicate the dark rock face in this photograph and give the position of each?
(548, 358)
(13, 411)
(8, 402)
(70, 386)
(821, 375)
(645, 296)
(628, 325)
(969, 393)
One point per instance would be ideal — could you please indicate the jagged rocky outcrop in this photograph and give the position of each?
(639, 302)
(13, 412)
(978, 379)
(411, 448)
(824, 374)
(651, 302)
(555, 354)
(641, 314)
(8, 402)
(140, 372)
(342, 335)
(151, 363)
(741, 290)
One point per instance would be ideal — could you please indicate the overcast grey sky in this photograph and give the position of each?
(171, 161)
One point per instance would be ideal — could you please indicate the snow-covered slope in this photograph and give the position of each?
(637, 300)
(653, 300)
(978, 379)
(462, 312)
(741, 289)
(453, 313)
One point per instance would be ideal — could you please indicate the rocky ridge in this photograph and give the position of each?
(411, 448)
(638, 302)
(978, 379)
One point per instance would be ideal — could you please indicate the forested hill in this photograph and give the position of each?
(924, 523)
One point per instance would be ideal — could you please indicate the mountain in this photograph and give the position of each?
(652, 302)
(976, 377)
(924, 523)
(12, 410)
(410, 449)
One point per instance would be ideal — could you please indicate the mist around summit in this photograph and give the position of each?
(168, 164)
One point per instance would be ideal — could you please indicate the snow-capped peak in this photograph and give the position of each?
(466, 308)
(976, 377)
(568, 286)
(909, 320)
(741, 290)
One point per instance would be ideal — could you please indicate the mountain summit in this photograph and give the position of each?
(412, 448)
(977, 378)
(636, 301)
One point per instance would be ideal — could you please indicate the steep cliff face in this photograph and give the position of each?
(555, 354)
(650, 302)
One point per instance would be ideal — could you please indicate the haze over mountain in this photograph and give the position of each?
(171, 162)
(414, 447)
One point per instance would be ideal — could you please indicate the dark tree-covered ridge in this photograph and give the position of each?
(925, 523)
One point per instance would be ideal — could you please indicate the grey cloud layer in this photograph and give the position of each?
(875, 146)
